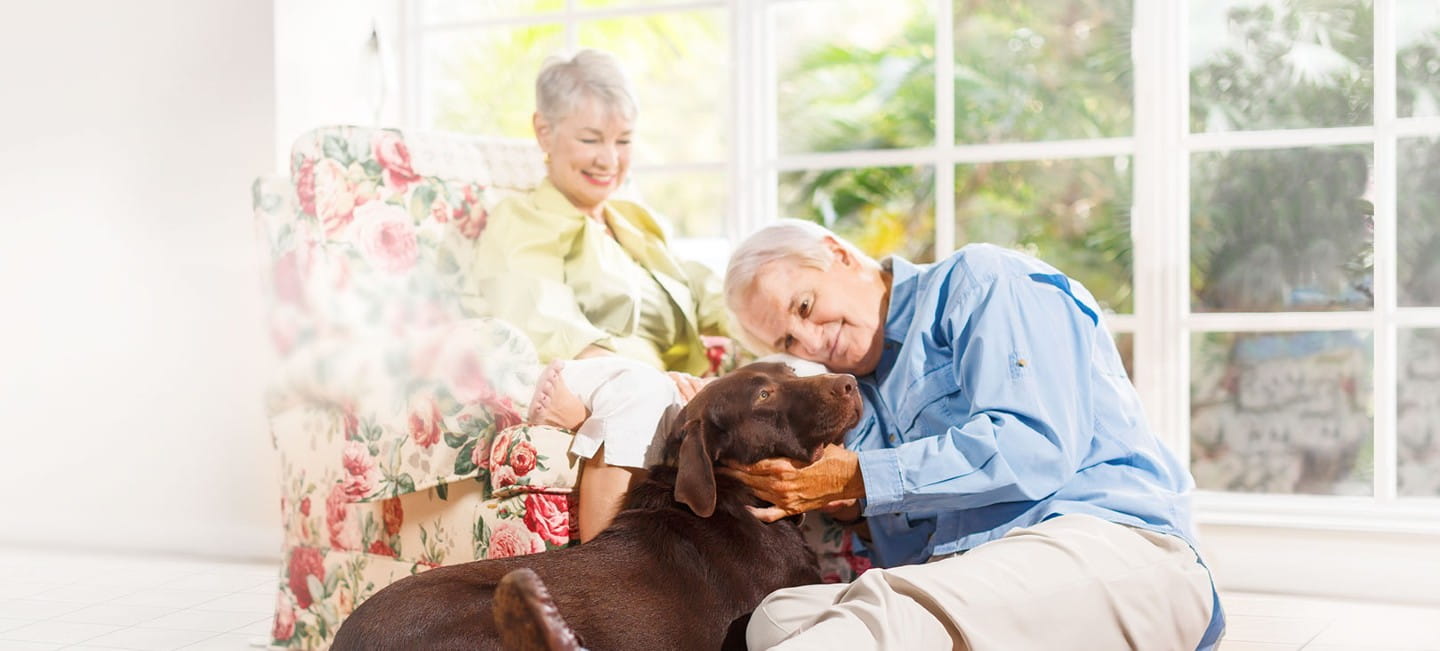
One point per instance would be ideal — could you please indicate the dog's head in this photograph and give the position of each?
(759, 411)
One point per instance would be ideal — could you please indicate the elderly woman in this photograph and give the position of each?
(1003, 473)
(585, 274)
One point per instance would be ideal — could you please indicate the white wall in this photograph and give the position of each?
(328, 71)
(131, 349)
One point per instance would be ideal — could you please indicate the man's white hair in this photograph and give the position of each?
(796, 240)
(566, 82)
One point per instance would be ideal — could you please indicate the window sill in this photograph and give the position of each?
(1337, 547)
(1320, 512)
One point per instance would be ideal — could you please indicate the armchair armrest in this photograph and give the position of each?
(402, 414)
(532, 459)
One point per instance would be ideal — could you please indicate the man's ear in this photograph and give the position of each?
(838, 252)
(695, 470)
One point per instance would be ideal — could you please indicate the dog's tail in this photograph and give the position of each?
(526, 617)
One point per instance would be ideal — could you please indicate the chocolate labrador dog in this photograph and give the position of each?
(683, 563)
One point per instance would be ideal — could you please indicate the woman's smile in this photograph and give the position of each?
(598, 179)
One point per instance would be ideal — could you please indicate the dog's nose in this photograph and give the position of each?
(844, 386)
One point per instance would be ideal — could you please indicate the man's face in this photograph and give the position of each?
(831, 316)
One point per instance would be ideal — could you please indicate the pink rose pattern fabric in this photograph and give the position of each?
(366, 264)
(396, 413)
(834, 548)
(362, 237)
(387, 237)
(549, 517)
(341, 551)
(531, 459)
(390, 394)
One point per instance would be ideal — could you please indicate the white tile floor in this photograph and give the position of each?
(1286, 623)
(52, 600)
(71, 601)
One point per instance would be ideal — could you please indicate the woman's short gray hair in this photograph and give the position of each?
(565, 82)
(795, 240)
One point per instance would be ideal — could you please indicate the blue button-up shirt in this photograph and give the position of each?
(1000, 401)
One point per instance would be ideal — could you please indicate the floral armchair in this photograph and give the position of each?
(395, 407)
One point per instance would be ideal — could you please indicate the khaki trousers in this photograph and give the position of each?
(1071, 582)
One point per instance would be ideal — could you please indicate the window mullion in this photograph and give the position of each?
(1175, 304)
(1035, 150)
(767, 78)
(1383, 272)
(746, 121)
(1157, 223)
(944, 127)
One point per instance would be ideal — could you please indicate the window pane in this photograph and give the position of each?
(1419, 413)
(1419, 222)
(1256, 64)
(1125, 343)
(854, 75)
(483, 81)
(445, 11)
(1281, 230)
(883, 210)
(1042, 70)
(1418, 58)
(1073, 214)
(692, 201)
(679, 65)
(1282, 412)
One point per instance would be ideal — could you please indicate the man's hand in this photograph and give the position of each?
(843, 511)
(795, 487)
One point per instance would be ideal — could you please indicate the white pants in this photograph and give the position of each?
(632, 406)
(1071, 582)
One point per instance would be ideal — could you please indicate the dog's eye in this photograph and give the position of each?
(764, 394)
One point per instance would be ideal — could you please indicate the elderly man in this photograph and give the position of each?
(1004, 470)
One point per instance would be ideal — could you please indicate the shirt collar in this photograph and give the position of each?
(904, 283)
(550, 199)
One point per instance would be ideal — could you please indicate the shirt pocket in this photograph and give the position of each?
(930, 406)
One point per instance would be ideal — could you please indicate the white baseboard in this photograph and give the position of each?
(1365, 566)
(234, 542)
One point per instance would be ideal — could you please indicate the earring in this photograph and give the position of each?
(547, 158)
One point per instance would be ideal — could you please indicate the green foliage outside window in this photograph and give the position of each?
(1024, 71)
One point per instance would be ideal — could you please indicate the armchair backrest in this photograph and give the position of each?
(376, 228)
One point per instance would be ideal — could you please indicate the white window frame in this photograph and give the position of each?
(1162, 323)
(413, 29)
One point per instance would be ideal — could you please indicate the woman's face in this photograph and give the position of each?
(589, 154)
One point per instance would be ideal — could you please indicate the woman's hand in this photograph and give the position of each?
(688, 385)
(828, 484)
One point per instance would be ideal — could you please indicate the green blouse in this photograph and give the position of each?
(556, 274)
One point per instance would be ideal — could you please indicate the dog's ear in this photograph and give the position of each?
(695, 470)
